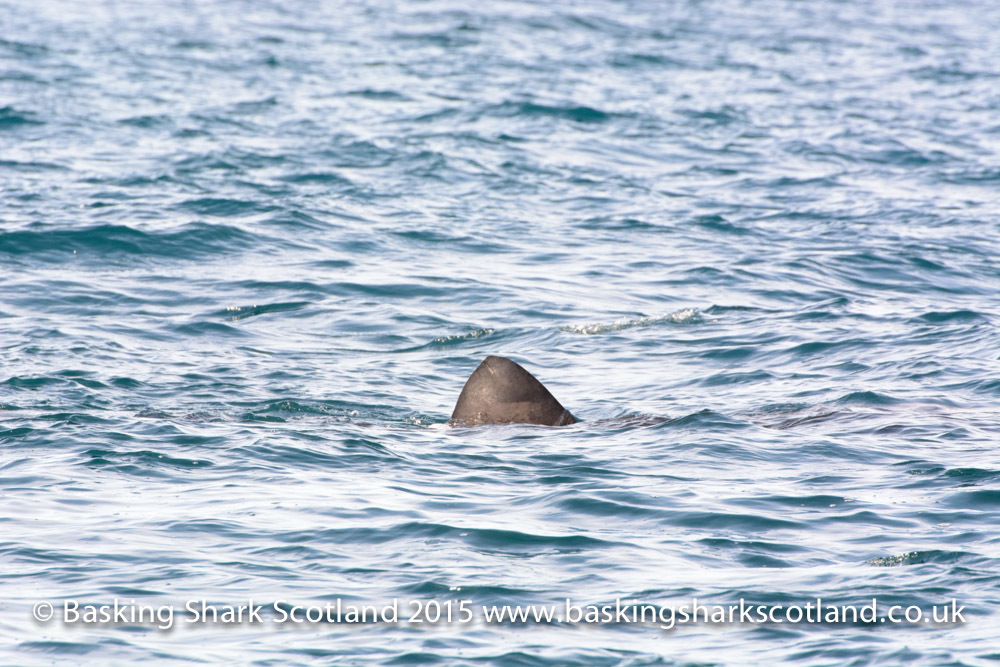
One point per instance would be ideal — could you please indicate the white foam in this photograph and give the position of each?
(685, 316)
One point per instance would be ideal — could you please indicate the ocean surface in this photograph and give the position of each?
(250, 252)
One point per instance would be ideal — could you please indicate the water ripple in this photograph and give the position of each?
(249, 254)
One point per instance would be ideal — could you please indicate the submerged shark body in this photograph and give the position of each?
(501, 392)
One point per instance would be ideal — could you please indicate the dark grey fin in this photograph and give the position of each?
(501, 392)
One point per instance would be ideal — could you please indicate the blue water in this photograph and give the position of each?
(250, 251)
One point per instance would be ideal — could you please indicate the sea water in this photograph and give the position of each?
(251, 250)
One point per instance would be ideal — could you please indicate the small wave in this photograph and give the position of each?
(769, 417)
(15, 433)
(340, 411)
(354, 154)
(461, 338)
(916, 558)
(867, 398)
(724, 378)
(986, 500)
(65, 378)
(704, 420)
(717, 223)
(10, 118)
(190, 241)
(729, 521)
(208, 329)
(631, 61)
(224, 208)
(577, 114)
(143, 460)
(603, 507)
(147, 122)
(236, 313)
(57, 648)
(680, 317)
(628, 421)
(324, 178)
(15, 165)
(373, 94)
(24, 48)
(447, 39)
(723, 116)
(940, 317)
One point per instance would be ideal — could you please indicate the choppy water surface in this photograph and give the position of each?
(250, 251)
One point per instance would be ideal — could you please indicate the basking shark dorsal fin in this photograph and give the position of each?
(501, 392)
